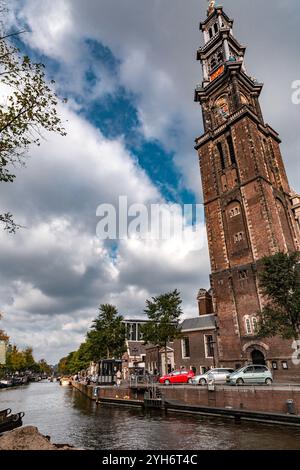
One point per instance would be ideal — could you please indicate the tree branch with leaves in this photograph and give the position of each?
(279, 281)
(28, 108)
(106, 339)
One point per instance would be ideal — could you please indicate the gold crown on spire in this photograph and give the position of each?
(211, 6)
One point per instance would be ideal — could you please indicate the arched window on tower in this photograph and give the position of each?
(231, 150)
(236, 229)
(216, 28)
(254, 325)
(220, 57)
(285, 226)
(248, 326)
(213, 63)
(222, 156)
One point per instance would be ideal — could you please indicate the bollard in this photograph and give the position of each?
(291, 407)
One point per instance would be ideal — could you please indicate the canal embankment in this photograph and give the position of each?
(264, 404)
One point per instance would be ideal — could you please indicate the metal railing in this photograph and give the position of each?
(149, 380)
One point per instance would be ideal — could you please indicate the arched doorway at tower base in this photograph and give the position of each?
(256, 354)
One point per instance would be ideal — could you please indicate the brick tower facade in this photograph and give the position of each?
(249, 207)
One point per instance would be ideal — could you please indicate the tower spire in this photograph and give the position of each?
(211, 6)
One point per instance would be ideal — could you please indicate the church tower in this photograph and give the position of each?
(249, 207)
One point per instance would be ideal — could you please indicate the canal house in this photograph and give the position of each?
(135, 356)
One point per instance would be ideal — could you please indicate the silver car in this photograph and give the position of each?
(218, 376)
(251, 374)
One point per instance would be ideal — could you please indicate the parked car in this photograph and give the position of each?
(177, 377)
(213, 375)
(251, 374)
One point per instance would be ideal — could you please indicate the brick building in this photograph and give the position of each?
(250, 209)
(155, 359)
(196, 348)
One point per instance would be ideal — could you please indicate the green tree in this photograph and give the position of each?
(71, 366)
(106, 339)
(44, 368)
(3, 335)
(82, 357)
(75, 361)
(62, 367)
(163, 327)
(15, 360)
(28, 108)
(66, 364)
(279, 282)
(29, 359)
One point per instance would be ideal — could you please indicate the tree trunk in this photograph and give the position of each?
(159, 371)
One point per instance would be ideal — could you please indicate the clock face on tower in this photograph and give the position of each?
(222, 108)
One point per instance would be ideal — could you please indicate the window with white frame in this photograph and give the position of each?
(248, 326)
(234, 212)
(185, 347)
(254, 324)
(238, 237)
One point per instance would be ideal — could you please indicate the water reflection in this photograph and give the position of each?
(69, 417)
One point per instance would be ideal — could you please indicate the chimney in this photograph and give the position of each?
(205, 302)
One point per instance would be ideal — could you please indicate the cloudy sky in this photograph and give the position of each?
(128, 70)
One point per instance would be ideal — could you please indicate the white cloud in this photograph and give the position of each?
(55, 272)
(156, 43)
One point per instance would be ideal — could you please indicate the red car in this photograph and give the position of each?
(177, 377)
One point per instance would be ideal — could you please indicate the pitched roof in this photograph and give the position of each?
(203, 322)
(135, 348)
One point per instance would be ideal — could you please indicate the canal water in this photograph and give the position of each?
(69, 417)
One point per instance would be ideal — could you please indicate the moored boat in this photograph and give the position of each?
(4, 414)
(65, 381)
(10, 422)
(6, 383)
